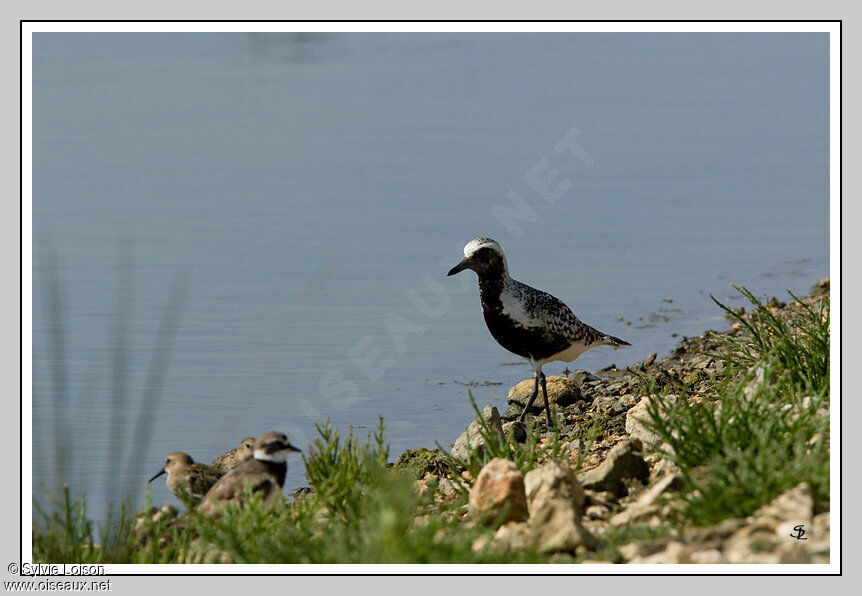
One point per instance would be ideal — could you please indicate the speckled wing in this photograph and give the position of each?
(202, 478)
(231, 458)
(224, 463)
(558, 320)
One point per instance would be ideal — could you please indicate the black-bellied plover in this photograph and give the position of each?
(231, 458)
(526, 321)
(264, 474)
(186, 478)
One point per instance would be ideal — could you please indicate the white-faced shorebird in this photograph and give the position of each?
(526, 321)
(231, 458)
(186, 478)
(263, 474)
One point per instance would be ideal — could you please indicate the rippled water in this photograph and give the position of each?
(295, 200)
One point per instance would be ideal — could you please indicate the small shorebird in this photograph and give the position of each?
(264, 474)
(526, 321)
(187, 479)
(231, 458)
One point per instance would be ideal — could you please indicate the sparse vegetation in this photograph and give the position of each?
(363, 511)
(741, 434)
(525, 455)
(767, 428)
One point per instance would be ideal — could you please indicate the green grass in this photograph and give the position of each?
(766, 431)
(525, 455)
(62, 532)
(797, 344)
(363, 511)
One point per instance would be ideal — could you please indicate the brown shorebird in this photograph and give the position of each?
(186, 479)
(526, 321)
(263, 474)
(230, 459)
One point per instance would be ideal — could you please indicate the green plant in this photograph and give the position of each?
(525, 455)
(61, 529)
(337, 469)
(768, 429)
(797, 341)
(363, 511)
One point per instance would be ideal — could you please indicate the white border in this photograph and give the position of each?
(833, 28)
(26, 295)
(836, 157)
(435, 26)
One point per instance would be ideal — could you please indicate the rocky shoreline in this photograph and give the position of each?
(608, 470)
(682, 459)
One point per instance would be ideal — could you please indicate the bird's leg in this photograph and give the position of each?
(531, 400)
(551, 422)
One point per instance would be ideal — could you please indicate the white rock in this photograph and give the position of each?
(473, 435)
(795, 505)
(597, 512)
(554, 479)
(712, 556)
(499, 490)
(555, 499)
(647, 504)
(514, 536)
(636, 427)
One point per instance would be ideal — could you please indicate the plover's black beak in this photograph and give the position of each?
(162, 471)
(459, 268)
(292, 448)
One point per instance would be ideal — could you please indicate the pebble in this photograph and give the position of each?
(472, 436)
(623, 462)
(597, 512)
(498, 491)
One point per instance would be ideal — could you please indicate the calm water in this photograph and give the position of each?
(295, 200)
